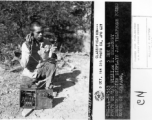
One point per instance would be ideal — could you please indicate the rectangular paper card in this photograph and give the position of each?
(104, 57)
(122, 60)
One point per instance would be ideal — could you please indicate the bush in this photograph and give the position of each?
(63, 19)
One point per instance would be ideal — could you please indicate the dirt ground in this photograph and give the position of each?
(70, 103)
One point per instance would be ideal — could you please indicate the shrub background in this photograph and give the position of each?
(68, 22)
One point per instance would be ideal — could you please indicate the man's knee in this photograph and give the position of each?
(50, 69)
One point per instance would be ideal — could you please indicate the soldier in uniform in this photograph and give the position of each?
(36, 58)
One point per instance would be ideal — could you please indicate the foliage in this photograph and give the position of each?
(62, 19)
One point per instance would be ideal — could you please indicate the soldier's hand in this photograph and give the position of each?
(47, 48)
(53, 48)
(29, 38)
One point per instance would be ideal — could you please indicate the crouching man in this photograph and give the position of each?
(37, 58)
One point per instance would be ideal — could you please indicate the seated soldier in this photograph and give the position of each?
(36, 58)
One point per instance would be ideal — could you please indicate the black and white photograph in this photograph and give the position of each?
(45, 53)
(76, 60)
